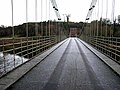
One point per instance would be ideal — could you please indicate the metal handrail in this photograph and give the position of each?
(25, 46)
(110, 46)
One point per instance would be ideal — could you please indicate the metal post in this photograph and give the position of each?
(57, 32)
(21, 50)
(4, 56)
(60, 31)
(32, 46)
(116, 49)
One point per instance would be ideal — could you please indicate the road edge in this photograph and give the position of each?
(112, 64)
(13, 76)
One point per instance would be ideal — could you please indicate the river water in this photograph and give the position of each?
(7, 62)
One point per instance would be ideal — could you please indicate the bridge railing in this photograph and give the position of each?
(14, 52)
(110, 46)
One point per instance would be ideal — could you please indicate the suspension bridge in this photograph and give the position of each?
(61, 55)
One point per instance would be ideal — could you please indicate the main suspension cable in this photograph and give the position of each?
(92, 6)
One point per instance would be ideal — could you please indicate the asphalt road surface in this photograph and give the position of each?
(70, 67)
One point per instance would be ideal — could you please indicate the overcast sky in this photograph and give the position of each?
(76, 8)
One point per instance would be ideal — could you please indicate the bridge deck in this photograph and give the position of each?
(70, 67)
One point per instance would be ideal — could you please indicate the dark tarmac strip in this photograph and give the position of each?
(70, 67)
